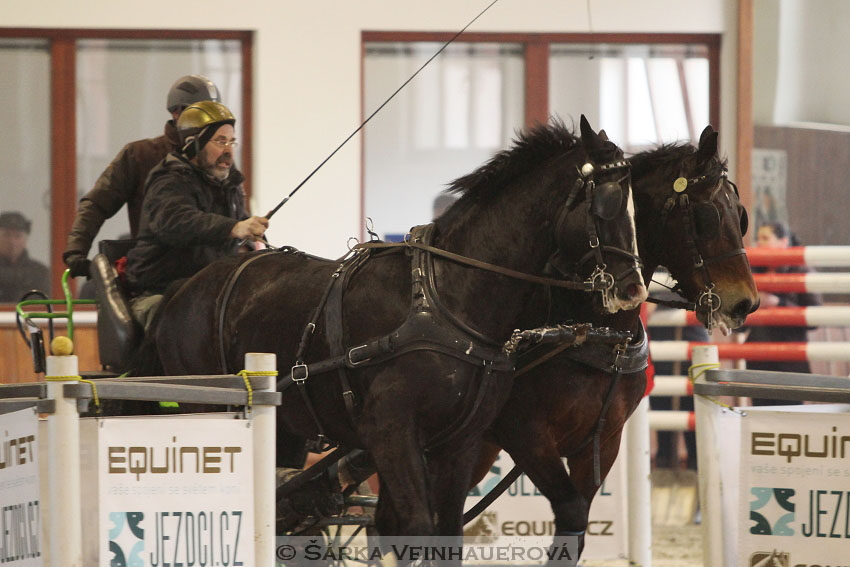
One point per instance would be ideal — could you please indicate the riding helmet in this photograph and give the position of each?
(199, 122)
(190, 89)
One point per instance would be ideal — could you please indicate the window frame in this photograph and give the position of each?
(536, 48)
(62, 45)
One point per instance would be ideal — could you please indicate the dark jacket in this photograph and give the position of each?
(186, 221)
(24, 275)
(123, 181)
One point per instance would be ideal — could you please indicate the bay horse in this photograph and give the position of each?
(399, 351)
(689, 219)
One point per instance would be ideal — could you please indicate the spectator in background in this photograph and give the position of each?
(776, 235)
(18, 272)
(123, 181)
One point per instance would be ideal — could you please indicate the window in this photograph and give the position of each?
(73, 98)
(643, 95)
(25, 162)
(463, 107)
(467, 103)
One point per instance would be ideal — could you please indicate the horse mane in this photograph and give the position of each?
(668, 158)
(530, 149)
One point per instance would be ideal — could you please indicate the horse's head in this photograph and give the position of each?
(691, 220)
(599, 213)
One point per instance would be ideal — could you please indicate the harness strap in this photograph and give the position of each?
(686, 305)
(223, 302)
(600, 423)
(515, 472)
(419, 333)
(491, 496)
(306, 336)
(333, 327)
(581, 286)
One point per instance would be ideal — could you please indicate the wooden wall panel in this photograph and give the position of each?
(16, 360)
(818, 165)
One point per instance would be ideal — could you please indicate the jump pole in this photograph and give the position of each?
(264, 434)
(708, 463)
(639, 493)
(63, 442)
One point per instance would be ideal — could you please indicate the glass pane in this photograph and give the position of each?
(122, 87)
(25, 182)
(642, 95)
(464, 106)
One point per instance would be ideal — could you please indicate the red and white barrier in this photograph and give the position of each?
(821, 316)
(669, 420)
(813, 256)
(672, 386)
(792, 283)
(803, 283)
(681, 350)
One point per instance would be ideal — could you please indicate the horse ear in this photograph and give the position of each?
(707, 144)
(706, 131)
(603, 135)
(588, 136)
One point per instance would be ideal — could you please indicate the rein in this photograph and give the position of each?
(626, 360)
(587, 285)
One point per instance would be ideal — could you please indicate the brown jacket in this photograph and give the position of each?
(123, 181)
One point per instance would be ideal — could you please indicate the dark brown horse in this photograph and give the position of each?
(418, 340)
(690, 220)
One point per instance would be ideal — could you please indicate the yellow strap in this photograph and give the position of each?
(697, 370)
(246, 374)
(76, 379)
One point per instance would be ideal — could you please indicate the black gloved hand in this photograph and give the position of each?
(79, 266)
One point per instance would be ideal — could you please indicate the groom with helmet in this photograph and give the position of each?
(194, 209)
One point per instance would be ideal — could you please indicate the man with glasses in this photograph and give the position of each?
(194, 209)
(123, 181)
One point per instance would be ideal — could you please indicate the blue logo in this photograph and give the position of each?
(126, 539)
(771, 511)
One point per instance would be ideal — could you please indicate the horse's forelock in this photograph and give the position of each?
(666, 161)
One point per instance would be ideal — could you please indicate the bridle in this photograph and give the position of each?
(701, 222)
(604, 201)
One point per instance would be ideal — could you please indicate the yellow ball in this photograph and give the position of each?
(62, 346)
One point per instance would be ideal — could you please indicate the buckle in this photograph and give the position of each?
(300, 379)
(351, 361)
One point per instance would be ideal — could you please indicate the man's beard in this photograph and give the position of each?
(220, 173)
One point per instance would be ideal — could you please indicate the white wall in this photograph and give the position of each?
(307, 75)
(800, 69)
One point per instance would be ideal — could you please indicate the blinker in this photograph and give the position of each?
(607, 200)
(707, 221)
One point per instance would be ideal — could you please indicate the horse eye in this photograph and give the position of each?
(607, 200)
(745, 221)
(707, 220)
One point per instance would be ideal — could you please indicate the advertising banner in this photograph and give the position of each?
(20, 513)
(175, 492)
(523, 511)
(795, 487)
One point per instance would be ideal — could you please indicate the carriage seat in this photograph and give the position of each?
(118, 333)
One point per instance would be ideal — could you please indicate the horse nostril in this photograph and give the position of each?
(743, 308)
(633, 290)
